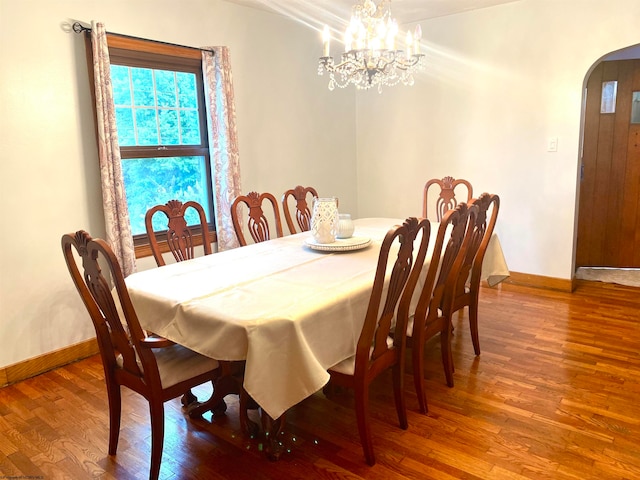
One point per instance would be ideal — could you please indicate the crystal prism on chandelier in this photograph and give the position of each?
(371, 57)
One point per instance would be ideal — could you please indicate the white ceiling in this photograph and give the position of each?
(318, 12)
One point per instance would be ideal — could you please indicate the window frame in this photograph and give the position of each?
(135, 52)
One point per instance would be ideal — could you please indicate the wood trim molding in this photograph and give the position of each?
(144, 250)
(48, 361)
(126, 42)
(540, 281)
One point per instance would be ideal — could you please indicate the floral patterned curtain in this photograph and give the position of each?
(116, 213)
(223, 140)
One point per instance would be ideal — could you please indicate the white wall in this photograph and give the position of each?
(292, 131)
(499, 82)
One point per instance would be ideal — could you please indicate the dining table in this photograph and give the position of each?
(288, 308)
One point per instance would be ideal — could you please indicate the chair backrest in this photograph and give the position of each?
(477, 232)
(138, 364)
(446, 261)
(488, 206)
(257, 222)
(302, 208)
(373, 346)
(180, 236)
(446, 197)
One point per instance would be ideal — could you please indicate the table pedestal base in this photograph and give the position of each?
(272, 429)
(230, 382)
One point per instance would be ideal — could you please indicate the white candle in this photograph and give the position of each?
(417, 36)
(362, 37)
(326, 40)
(409, 44)
(348, 40)
(391, 35)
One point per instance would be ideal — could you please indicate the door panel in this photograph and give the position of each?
(632, 189)
(609, 209)
(588, 174)
(613, 243)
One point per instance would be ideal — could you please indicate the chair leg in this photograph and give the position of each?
(418, 375)
(447, 356)
(451, 333)
(115, 411)
(398, 393)
(473, 324)
(156, 410)
(362, 416)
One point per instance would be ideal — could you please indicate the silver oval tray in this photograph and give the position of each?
(340, 245)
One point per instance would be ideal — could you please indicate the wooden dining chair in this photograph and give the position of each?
(376, 351)
(154, 367)
(467, 287)
(180, 239)
(303, 197)
(432, 314)
(443, 194)
(257, 221)
(180, 236)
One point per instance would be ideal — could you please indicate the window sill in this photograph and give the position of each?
(144, 250)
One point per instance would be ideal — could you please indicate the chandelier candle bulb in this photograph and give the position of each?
(348, 39)
(417, 36)
(390, 42)
(326, 41)
(362, 38)
(409, 44)
(391, 35)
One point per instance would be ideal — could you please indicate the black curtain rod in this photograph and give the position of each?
(79, 28)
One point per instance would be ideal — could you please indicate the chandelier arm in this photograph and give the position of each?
(415, 59)
(349, 64)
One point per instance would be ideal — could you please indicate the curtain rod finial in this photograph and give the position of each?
(79, 28)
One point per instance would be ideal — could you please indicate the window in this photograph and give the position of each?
(608, 98)
(635, 107)
(162, 129)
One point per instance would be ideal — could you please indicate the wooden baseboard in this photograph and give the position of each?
(539, 281)
(48, 361)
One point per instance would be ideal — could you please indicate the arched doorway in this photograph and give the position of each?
(609, 206)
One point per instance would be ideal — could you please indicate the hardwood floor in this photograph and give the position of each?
(555, 394)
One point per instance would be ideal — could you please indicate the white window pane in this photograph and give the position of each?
(608, 101)
(635, 107)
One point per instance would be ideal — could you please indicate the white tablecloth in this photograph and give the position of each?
(289, 311)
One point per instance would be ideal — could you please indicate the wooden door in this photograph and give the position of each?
(609, 209)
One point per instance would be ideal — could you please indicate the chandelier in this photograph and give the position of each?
(370, 55)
